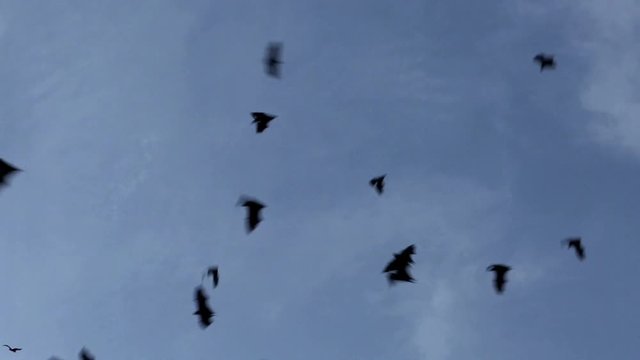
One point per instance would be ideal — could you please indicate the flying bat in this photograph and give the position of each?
(272, 59)
(85, 355)
(545, 61)
(575, 243)
(254, 208)
(397, 269)
(6, 171)
(500, 276)
(262, 120)
(213, 272)
(204, 312)
(12, 349)
(378, 183)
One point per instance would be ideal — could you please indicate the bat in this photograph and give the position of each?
(254, 208)
(545, 61)
(272, 59)
(262, 120)
(213, 272)
(12, 349)
(500, 276)
(204, 312)
(397, 268)
(576, 244)
(378, 183)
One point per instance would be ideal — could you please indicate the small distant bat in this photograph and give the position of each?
(273, 59)
(500, 276)
(545, 61)
(378, 183)
(204, 312)
(213, 272)
(262, 120)
(576, 244)
(86, 355)
(12, 349)
(254, 208)
(397, 268)
(6, 171)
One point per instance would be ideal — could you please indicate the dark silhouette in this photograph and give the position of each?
(254, 207)
(86, 355)
(213, 272)
(378, 183)
(12, 349)
(397, 268)
(6, 170)
(262, 120)
(500, 273)
(575, 243)
(545, 61)
(272, 59)
(204, 312)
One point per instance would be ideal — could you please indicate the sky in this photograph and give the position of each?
(131, 121)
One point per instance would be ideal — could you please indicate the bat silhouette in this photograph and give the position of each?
(12, 349)
(272, 59)
(204, 312)
(86, 355)
(254, 207)
(545, 61)
(500, 276)
(396, 269)
(6, 171)
(576, 244)
(378, 183)
(262, 120)
(213, 272)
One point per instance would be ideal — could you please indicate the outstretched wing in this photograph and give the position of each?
(6, 171)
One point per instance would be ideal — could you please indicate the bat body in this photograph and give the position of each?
(397, 269)
(85, 355)
(545, 61)
(273, 59)
(12, 349)
(378, 183)
(254, 208)
(204, 312)
(6, 171)
(213, 272)
(500, 276)
(576, 244)
(262, 120)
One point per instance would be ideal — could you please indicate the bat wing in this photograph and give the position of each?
(261, 126)
(392, 266)
(253, 220)
(406, 254)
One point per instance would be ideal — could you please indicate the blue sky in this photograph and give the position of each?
(131, 122)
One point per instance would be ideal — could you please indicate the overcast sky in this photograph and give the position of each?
(131, 121)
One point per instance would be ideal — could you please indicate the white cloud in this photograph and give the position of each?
(606, 33)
